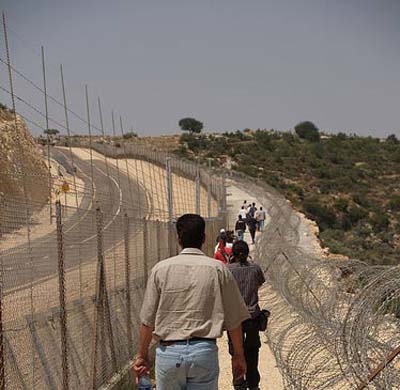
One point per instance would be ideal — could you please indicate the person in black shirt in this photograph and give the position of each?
(252, 224)
(249, 277)
(240, 228)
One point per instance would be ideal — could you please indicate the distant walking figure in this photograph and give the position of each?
(260, 217)
(249, 277)
(252, 224)
(252, 210)
(243, 213)
(221, 235)
(240, 227)
(189, 300)
(223, 253)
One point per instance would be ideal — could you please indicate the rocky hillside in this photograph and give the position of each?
(349, 185)
(20, 162)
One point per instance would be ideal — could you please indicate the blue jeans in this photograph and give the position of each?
(240, 234)
(191, 365)
(261, 224)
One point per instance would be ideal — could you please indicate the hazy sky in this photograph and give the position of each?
(229, 63)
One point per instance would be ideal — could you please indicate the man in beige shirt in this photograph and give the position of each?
(190, 299)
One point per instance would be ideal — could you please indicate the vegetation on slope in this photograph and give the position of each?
(349, 185)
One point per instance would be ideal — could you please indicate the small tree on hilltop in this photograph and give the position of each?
(129, 135)
(392, 139)
(190, 124)
(308, 131)
(51, 131)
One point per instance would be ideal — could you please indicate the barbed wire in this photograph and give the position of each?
(335, 322)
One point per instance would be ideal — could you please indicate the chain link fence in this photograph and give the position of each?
(80, 229)
(72, 286)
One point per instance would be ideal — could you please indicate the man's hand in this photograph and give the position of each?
(238, 366)
(238, 360)
(141, 366)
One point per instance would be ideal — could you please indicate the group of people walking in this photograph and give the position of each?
(190, 300)
(252, 218)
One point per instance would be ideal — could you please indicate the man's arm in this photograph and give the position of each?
(238, 360)
(147, 317)
(142, 364)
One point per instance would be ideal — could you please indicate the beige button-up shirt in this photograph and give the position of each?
(192, 295)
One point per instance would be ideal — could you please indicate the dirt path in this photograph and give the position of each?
(153, 179)
(270, 375)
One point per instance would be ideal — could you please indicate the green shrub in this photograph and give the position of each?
(195, 142)
(356, 214)
(394, 203)
(181, 151)
(379, 222)
(342, 204)
(324, 216)
(129, 135)
(361, 199)
(392, 139)
(308, 131)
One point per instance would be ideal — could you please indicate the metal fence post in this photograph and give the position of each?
(145, 252)
(158, 227)
(61, 288)
(46, 110)
(170, 202)
(128, 285)
(224, 208)
(102, 307)
(218, 195)
(2, 351)
(209, 189)
(98, 300)
(197, 188)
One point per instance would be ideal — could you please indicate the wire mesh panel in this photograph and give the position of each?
(72, 288)
(83, 219)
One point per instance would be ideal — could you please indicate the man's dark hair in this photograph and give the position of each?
(229, 236)
(191, 230)
(240, 251)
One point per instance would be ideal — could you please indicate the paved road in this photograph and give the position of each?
(24, 264)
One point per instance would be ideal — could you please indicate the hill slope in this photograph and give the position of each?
(349, 185)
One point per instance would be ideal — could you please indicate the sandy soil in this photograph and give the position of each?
(270, 375)
(40, 221)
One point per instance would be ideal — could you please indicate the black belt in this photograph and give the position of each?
(188, 341)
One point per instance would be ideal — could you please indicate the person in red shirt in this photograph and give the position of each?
(223, 253)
